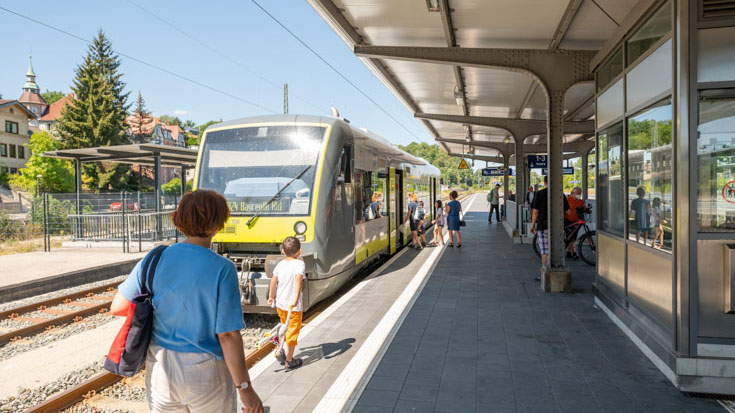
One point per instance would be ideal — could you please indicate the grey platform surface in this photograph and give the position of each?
(482, 337)
(330, 347)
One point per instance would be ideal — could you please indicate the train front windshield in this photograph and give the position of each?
(251, 165)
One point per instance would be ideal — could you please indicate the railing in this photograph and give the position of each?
(124, 227)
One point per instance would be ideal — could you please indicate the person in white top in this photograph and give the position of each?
(286, 295)
(440, 219)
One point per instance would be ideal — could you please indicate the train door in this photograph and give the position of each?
(400, 214)
(390, 198)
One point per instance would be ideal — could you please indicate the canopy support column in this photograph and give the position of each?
(506, 164)
(520, 183)
(585, 174)
(78, 193)
(183, 180)
(157, 190)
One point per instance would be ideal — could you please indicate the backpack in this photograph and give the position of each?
(369, 213)
(128, 351)
(490, 196)
(416, 214)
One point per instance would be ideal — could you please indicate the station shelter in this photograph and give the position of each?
(648, 86)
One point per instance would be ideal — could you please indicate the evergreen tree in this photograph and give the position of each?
(95, 116)
(140, 121)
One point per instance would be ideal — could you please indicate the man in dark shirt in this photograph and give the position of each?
(540, 221)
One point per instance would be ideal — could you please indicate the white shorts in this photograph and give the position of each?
(187, 382)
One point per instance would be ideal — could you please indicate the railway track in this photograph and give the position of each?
(34, 318)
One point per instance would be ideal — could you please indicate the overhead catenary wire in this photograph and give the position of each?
(143, 62)
(334, 69)
(219, 53)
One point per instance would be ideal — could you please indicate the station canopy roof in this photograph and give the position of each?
(427, 87)
(143, 153)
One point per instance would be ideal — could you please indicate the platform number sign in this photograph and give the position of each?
(463, 165)
(537, 161)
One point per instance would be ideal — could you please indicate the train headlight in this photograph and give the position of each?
(300, 227)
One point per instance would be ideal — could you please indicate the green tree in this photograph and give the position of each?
(170, 120)
(57, 175)
(52, 96)
(174, 186)
(204, 126)
(96, 115)
(140, 121)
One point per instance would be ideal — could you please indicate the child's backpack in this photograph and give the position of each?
(416, 214)
(128, 351)
(369, 213)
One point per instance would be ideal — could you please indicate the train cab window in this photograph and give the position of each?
(269, 170)
(345, 166)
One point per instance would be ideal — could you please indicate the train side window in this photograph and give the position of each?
(345, 166)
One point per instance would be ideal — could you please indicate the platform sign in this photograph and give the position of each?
(463, 165)
(496, 172)
(565, 171)
(537, 161)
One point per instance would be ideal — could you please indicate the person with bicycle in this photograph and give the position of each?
(575, 202)
(540, 222)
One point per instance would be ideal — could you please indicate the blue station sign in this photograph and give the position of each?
(537, 161)
(565, 171)
(496, 172)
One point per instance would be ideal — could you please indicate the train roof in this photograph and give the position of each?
(357, 132)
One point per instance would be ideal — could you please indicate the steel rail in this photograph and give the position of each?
(26, 331)
(57, 300)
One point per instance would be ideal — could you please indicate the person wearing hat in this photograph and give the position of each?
(493, 197)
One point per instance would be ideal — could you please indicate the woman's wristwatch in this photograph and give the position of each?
(242, 386)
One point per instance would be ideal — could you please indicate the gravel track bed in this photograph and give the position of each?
(27, 398)
(258, 325)
(59, 293)
(41, 339)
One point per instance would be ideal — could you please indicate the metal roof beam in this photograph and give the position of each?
(557, 69)
(496, 159)
(574, 112)
(519, 128)
(578, 147)
(566, 21)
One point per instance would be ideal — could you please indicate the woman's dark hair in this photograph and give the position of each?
(290, 246)
(201, 213)
(453, 195)
(438, 203)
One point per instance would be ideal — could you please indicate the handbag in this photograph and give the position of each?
(461, 220)
(128, 351)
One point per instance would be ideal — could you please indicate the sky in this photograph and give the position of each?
(236, 29)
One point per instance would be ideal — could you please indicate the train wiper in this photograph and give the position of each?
(278, 194)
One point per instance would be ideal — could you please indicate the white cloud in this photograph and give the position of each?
(181, 112)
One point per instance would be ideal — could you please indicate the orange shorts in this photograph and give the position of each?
(294, 325)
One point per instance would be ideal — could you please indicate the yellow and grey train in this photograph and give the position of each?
(341, 190)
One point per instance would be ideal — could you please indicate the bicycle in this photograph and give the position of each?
(586, 244)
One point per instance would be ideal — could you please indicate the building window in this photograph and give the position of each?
(716, 161)
(3, 150)
(610, 69)
(650, 154)
(12, 150)
(655, 28)
(11, 127)
(21, 152)
(13, 171)
(3, 170)
(611, 191)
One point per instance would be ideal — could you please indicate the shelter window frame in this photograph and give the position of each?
(657, 34)
(649, 178)
(722, 214)
(611, 170)
(610, 71)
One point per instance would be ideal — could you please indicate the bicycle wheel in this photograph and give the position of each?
(535, 245)
(587, 248)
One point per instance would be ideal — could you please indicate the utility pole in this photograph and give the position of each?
(285, 98)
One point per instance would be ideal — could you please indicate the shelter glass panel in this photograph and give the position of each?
(716, 54)
(650, 163)
(610, 180)
(716, 161)
(651, 78)
(653, 30)
(610, 69)
(610, 104)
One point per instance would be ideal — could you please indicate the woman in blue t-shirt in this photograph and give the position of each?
(195, 360)
(453, 211)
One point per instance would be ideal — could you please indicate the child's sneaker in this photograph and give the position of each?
(294, 364)
(281, 357)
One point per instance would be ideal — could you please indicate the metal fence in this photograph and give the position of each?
(127, 218)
